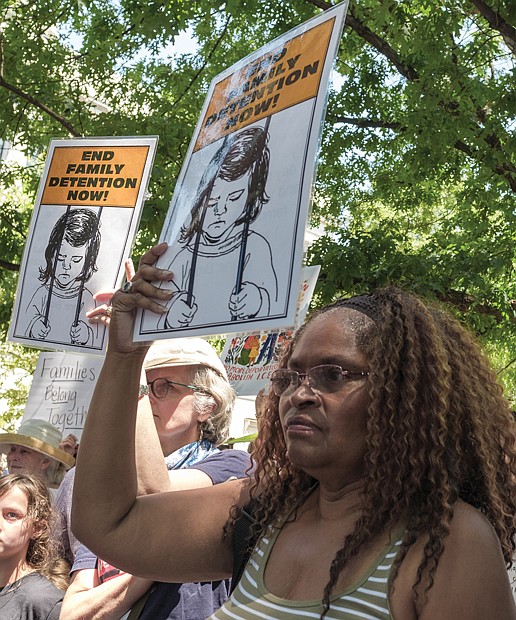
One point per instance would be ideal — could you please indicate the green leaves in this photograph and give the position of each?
(417, 176)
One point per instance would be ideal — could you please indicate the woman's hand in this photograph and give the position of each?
(120, 312)
(69, 445)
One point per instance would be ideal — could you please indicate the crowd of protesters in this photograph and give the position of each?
(382, 482)
(185, 394)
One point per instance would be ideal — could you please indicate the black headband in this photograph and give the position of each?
(366, 304)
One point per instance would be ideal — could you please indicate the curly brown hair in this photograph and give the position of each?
(438, 429)
(44, 552)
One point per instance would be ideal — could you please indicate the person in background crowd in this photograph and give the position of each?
(185, 391)
(63, 501)
(385, 483)
(32, 574)
(35, 449)
(70, 445)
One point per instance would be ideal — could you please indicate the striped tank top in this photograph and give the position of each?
(364, 600)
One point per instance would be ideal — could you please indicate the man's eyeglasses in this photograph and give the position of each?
(160, 387)
(323, 379)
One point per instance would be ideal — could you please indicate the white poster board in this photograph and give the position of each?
(237, 219)
(512, 579)
(250, 358)
(86, 214)
(61, 390)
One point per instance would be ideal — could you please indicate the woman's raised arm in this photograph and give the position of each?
(176, 536)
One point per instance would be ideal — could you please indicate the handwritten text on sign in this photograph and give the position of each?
(62, 388)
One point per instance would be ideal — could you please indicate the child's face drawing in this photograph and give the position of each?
(225, 205)
(70, 264)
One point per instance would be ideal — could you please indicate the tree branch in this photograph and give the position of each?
(464, 302)
(506, 366)
(380, 44)
(39, 104)
(9, 266)
(497, 22)
(504, 170)
(204, 64)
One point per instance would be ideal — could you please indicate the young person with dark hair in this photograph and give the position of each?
(218, 242)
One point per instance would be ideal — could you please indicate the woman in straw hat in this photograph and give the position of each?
(35, 449)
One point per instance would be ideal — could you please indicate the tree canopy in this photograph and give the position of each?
(417, 178)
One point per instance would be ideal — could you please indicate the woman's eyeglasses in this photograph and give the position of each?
(160, 387)
(323, 379)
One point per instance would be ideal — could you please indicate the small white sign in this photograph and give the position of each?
(61, 390)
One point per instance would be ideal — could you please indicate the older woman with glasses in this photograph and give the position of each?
(385, 479)
(185, 394)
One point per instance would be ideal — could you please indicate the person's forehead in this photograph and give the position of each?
(330, 338)
(18, 446)
(231, 184)
(68, 248)
(170, 372)
(15, 498)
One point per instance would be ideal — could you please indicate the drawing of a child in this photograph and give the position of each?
(218, 246)
(57, 307)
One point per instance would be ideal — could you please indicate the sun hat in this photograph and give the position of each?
(183, 352)
(38, 435)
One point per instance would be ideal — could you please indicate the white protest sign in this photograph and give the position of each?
(250, 358)
(512, 578)
(61, 390)
(237, 218)
(86, 214)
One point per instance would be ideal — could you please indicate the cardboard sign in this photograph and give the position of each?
(62, 388)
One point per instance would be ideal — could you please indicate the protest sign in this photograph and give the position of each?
(86, 214)
(512, 578)
(61, 390)
(237, 219)
(250, 358)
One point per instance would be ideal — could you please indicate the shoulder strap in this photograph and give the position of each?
(137, 608)
(241, 537)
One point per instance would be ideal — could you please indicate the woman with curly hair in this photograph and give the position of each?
(33, 576)
(385, 484)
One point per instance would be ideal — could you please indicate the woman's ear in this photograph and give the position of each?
(45, 464)
(204, 415)
(209, 406)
